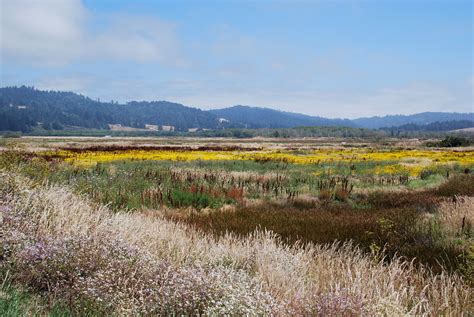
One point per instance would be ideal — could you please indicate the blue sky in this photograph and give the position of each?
(327, 58)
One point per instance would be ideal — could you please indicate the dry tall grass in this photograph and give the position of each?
(253, 275)
(457, 215)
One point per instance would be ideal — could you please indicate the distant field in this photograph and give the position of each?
(317, 226)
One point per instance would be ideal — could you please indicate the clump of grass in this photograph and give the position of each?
(182, 199)
(16, 302)
(422, 201)
(462, 184)
(457, 216)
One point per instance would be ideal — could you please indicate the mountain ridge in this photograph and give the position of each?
(26, 108)
(260, 117)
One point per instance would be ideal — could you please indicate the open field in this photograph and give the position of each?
(259, 226)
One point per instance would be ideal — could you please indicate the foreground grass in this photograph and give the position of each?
(287, 199)
(15, 302)
(83, 256)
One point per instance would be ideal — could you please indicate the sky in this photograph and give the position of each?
(328, 58)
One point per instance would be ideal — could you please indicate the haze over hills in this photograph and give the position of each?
(424, 118)
(257, 117)
(26, 109)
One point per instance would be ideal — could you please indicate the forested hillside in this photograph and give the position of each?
(27, 109)
(423, 118)
(255, 117)
(434, 127)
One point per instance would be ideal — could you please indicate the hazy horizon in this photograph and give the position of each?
(344, 59)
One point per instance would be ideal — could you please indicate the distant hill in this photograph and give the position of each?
(419, 118)
(25, 109)
(254, 117)
(434, 127)
(28, 109)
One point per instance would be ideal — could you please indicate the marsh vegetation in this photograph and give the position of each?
(309, 227)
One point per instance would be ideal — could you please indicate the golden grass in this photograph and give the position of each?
(457, 214)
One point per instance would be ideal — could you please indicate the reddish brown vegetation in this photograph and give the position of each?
(175, 148)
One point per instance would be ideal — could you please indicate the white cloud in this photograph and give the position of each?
(77, 83)
(56, 32)
(137, 38)
(47, 31)
(229, 42)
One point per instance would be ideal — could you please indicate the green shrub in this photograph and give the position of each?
(452, 141)
(426, 173)
(183, 199)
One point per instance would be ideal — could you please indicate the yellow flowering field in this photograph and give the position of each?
(90, 158)
(410, 161)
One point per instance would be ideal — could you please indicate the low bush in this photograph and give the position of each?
(461, 185)
(454, 141)
(422, 201)
(183, 199)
